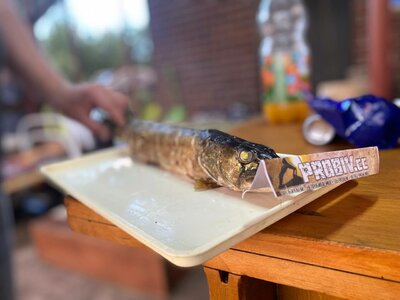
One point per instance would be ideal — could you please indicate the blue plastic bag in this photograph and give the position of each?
(364, 121)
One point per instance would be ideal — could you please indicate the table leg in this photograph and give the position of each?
(223, 285)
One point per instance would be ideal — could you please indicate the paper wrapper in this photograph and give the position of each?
(299, 173)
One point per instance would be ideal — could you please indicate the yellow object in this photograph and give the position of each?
(285, 112)
(245, 156)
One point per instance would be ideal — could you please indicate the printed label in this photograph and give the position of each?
(294, 174)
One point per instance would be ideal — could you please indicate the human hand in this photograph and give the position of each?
(77, 101)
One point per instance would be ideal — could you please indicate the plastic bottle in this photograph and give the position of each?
(284, 60)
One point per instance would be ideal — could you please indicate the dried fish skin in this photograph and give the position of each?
(210, 155)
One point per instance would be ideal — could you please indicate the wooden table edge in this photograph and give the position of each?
(377, 263)
(366, 261)
(324, 280)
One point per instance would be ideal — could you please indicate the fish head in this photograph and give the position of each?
(232, 161)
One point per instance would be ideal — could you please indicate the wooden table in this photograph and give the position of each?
(345, 244)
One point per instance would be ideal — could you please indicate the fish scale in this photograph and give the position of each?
(208, 156)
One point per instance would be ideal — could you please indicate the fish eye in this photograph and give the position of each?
(246, 156)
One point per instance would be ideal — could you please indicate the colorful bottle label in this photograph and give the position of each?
(284, 52)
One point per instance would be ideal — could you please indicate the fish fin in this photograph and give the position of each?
(203, 185)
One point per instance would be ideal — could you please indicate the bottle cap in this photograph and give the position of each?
(317, 131)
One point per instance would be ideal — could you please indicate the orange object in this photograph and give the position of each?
(267, 78)
(291, 69)
(285, 112)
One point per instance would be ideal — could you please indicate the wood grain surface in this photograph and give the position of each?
(84, 220)
(283, 138)
(223, 285)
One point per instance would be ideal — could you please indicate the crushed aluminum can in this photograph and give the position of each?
(317, 131)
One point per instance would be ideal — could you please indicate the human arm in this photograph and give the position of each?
(75, 101)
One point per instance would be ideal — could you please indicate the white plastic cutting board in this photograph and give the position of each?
(163, 211)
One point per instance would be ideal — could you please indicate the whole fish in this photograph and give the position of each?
(210, 157)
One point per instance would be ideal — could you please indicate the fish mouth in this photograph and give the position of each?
(246, 178)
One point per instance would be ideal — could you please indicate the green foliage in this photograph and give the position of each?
(106, 51)
(79, 58)
(57, 47)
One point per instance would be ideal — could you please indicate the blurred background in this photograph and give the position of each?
(196, 62)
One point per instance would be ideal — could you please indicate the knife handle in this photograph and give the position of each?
(101, 116)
